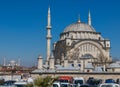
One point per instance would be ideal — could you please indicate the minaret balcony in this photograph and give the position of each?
(48, 37)
(48, 27)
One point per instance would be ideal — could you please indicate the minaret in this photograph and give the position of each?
(4, 62)
(48, 37)
(89, 19)
(19, 62)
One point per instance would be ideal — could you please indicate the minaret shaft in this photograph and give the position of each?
(48, 48)
(48, 37)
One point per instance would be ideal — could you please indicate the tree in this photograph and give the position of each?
(1, 81)
(44, 82)
(103, 60)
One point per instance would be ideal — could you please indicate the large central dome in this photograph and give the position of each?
(79, 26)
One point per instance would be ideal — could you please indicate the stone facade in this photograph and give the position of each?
(79, 40)
(80, 52)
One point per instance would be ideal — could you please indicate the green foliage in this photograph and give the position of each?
(44, 82)
(38, 82)
(30, 85)
(1, 82)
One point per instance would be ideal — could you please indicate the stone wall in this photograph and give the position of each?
(76, 74)
(10, 77)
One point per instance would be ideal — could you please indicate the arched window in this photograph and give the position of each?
(87, 56)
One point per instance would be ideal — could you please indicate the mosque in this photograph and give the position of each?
(80, 49)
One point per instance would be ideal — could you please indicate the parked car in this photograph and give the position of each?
(66, 79)
(109, 81)
(118, 81)
(93, 82)
(20, 84)
(62, 84)
(56, 84)
(84, 85)
(9, 83)
(66, 85)
(89, 80)
(109, 85)
(78, 81)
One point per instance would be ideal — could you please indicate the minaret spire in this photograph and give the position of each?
(78, 18)
(49, 18)
(48, 37)
(89, 18)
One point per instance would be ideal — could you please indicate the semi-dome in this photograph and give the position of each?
(79, 26)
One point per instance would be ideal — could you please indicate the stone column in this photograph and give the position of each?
(51, 62)
(75, 63)
(82, 66)
(40, 62)
(65, 63)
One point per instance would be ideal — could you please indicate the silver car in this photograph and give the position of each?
(109, 85)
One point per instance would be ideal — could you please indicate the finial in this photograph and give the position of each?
(79, 18)
(89, 18)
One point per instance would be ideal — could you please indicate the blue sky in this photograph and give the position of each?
(23, 25)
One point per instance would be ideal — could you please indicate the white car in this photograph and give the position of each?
(20, 84)
(61, 84)
(78, 81)
(109, 85)
(56, 84)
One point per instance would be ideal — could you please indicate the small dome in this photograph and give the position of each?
(12, 62)
(79, 27)
(114, 65)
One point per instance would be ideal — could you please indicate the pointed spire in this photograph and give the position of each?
(79, 18)
(89, 18)
(49, 10)
(49, 18)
